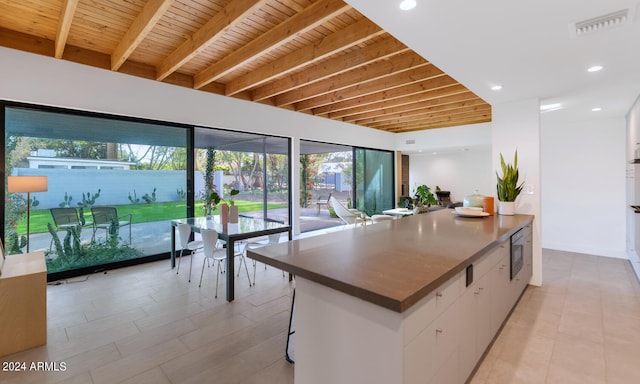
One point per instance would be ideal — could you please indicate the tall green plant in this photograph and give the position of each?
(508, 188)
(208, 171)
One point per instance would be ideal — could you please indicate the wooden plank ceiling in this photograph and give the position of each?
(320, 57)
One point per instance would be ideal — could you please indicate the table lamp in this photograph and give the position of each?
(28, 184)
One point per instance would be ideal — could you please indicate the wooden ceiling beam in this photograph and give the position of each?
(366, 105)
(67, 11)
(232, 15)
(420, 112)
(448, 121)
(360, 56)
(447, 124)
(385, 89)
(458, 112)
(403, 63)
(25, 42)
(143, 24)
(392, 107)
(310, 18)
(336, 42)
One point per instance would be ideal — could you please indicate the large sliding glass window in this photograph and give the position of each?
(112, 186)
(256, 166)
(374, 180)
(358, 178)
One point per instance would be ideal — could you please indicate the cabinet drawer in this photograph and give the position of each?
(427, 309)
(428, 352)
(448, 293)
(482, 266)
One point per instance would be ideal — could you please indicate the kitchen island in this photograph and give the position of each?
(414, 300)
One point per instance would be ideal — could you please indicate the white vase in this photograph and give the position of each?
(506, 208)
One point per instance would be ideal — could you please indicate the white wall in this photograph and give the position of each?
(583, 177)
(30, 78)
(43, 80)
(633, 185)
(462, 172)
(516, 126)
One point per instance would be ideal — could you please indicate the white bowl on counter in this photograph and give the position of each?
(468, 209)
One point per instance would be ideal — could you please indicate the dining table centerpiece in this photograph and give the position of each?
(233, 208)
(211, 201)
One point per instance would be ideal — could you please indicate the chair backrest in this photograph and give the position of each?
(274, 238)
(184, 232)
(210, 241)
(104, 215)
(343, 213)
(65, 216)
(322, 199)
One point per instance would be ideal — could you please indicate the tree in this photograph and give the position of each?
(235, 161)
(152, 157)
(278, 169)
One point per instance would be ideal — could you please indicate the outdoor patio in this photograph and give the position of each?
(155, 237)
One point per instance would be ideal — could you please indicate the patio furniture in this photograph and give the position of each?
(348, 216)
(66, 218)
(104, 217)
(323, 201)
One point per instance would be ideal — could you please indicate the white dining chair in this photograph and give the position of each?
(212, 253)
(184, 233)
(271, 239)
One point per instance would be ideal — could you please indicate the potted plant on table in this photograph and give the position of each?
(508, 188)
(211, 201)
(423, 199)
(233, 209)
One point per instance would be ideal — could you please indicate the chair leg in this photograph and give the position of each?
(179, 258)
(217, 276)
(244, 261)
(191, 264)
(254, 271)
(202, 272)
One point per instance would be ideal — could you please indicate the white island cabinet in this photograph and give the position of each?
(415, 300)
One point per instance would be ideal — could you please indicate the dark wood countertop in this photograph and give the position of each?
(393, 263)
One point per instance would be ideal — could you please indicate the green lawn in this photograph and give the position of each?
(141, 213)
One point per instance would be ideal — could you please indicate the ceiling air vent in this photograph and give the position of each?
(410, 142)
(600, 23)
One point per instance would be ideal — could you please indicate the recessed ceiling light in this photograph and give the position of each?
(496, 87)
(595, 68)
(550, 107)
(596, 109)
(406, 5)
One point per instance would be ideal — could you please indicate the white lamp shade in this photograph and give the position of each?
(27, 183)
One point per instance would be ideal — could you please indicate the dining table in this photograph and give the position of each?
(230, 233)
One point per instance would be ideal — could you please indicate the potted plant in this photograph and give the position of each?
(423, 199)
(508, 188)
(233, 209)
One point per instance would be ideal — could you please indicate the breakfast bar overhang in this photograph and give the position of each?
(413, 300)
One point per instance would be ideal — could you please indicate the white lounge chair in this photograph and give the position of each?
(348, 216)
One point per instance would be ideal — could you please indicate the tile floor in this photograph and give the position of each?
(145, 324)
